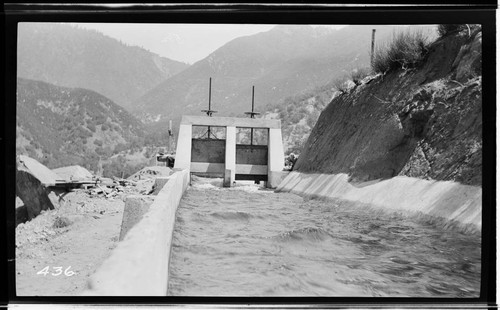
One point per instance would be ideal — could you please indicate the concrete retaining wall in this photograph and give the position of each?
(449, 200)
(138, 266)
(135, 207)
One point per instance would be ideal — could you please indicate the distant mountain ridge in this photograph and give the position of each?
(66, 126)
(282, 62)
(69, 56)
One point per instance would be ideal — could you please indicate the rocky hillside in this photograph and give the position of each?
(62, 126)
(285, 61)
(68, 56)
(299, 114)
(423, 122)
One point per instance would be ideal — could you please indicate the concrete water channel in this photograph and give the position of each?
(250, 241)
(423, 230)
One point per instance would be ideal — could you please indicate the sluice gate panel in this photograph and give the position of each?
(251, 162)
(208, 157)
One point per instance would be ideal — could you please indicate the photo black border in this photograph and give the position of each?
(262, 14)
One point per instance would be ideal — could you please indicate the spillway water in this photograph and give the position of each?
(246, 241)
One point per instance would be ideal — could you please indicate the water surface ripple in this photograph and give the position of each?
(248, 242)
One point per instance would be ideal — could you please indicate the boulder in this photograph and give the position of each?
(32, 192)
(21, 215)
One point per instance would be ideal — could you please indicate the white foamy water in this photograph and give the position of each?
(246, 241)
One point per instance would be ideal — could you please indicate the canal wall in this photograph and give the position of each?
(405, 139)
(451, 201)
(138, 266)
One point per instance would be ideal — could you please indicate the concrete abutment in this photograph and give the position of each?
(237, 161)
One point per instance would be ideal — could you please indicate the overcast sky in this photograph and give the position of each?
(182, 42)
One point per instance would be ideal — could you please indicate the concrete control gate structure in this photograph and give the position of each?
(224, 158)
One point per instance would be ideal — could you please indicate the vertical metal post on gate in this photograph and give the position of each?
(252, 114)
(209, 111)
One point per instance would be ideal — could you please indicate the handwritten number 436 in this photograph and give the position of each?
(56, 271)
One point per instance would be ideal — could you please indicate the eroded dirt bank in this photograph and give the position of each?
(425, 122)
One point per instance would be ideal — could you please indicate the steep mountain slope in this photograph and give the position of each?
(424, 122)
(299, 114)
(66, 126)
(68, 56)
(280, 63)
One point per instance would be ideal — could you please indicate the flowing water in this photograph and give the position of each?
(246, 241)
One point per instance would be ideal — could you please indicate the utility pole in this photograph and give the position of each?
(373, 47)
(170, 134)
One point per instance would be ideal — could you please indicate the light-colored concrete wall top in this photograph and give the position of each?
(138, 266)
(183, 153)
(230, 121)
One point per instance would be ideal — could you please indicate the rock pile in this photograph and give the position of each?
(117, 188)
(150, 173)
(41, 189)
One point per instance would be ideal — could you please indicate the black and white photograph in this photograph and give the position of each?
(245, 159)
